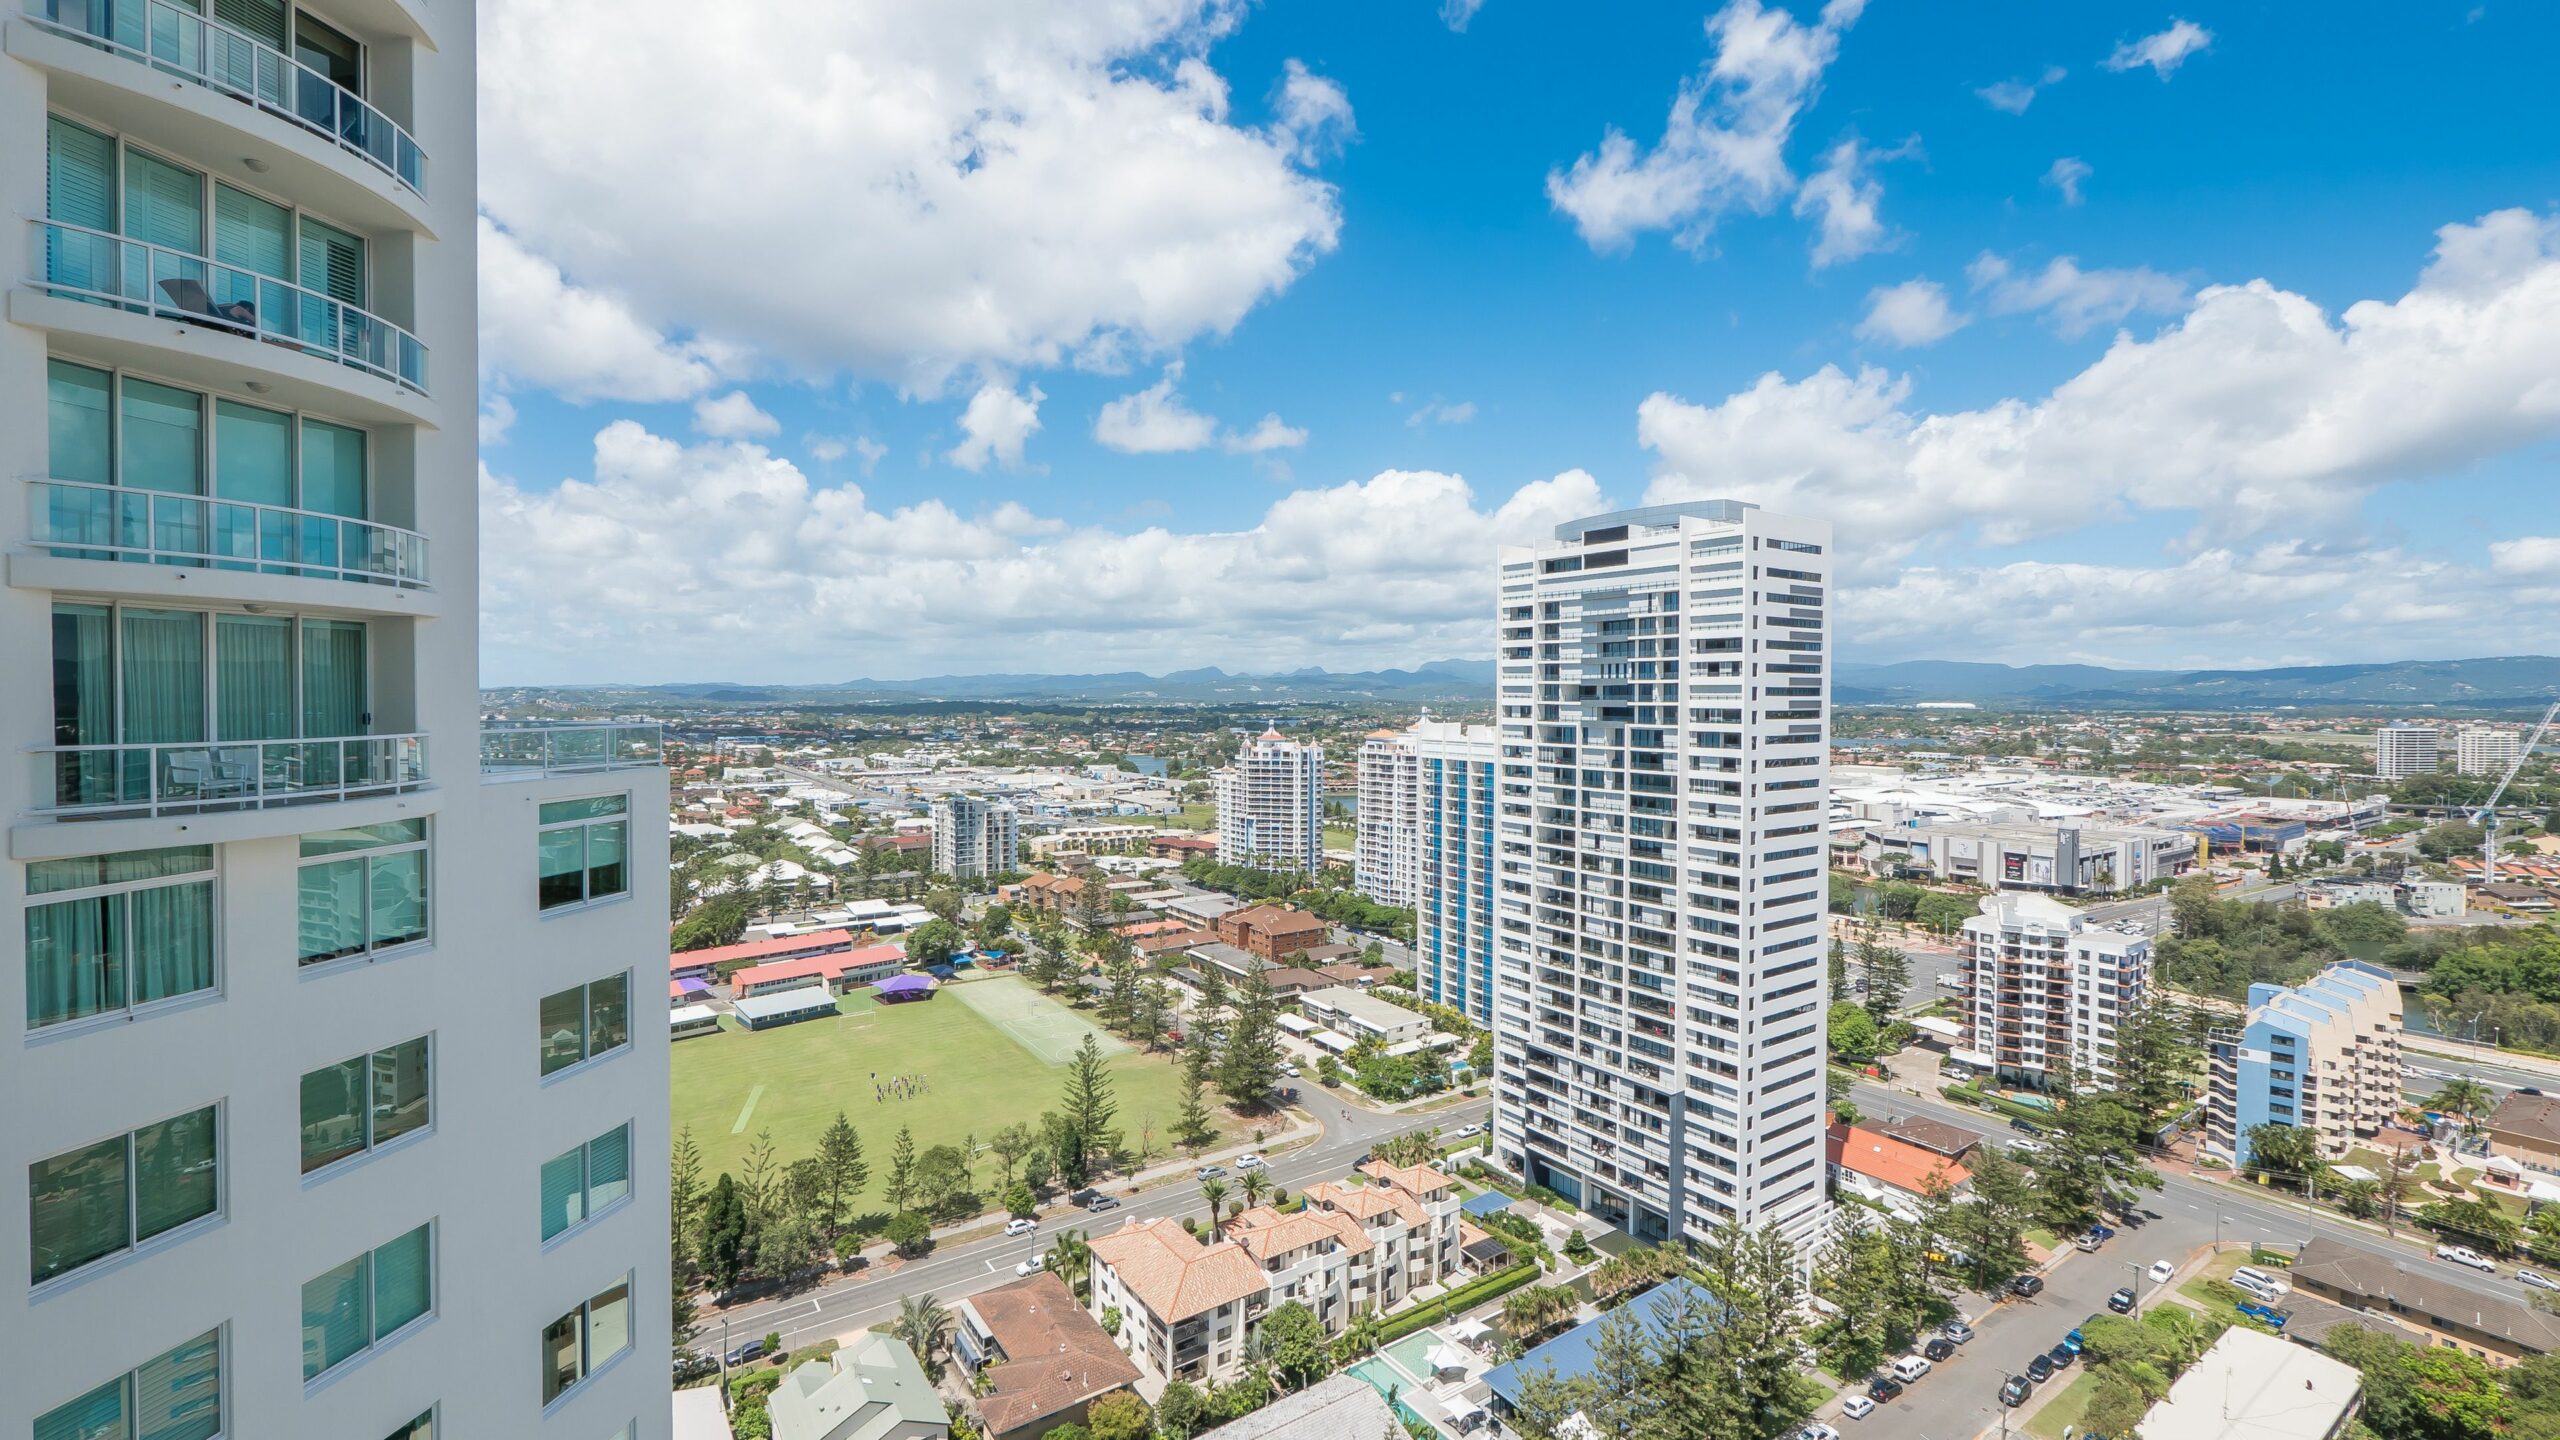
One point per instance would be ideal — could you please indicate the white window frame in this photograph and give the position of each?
(129, 1012)
(586, 1014)
(587, 900)
(373, 952)
(372, 1147)
(380, 1341)
(588, 1214)
(588, 1366)
(137, 1248)
(222, 1376)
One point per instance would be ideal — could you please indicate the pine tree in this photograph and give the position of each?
(724, 1233)
(902, 1169)
(840, 1162)
(1249, 1070)
(1087, 1105)
(1888, 976)
(684, 1192)
(1192, 1128)
(1839, 968)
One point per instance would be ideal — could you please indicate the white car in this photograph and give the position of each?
(2465, 1255)
(1032, 1266)
(1857, 1407)
(1249, 1162)
(2161, 1271)
(2537, 1280)
(1466, 1132)
(1818, 1432)
(1020, 1227)
(1292, 1072)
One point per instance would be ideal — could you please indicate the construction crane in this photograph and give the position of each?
(2486, 817)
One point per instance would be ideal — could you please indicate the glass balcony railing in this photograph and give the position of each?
(175, 40)
(128, 781)
(77, 521)
(94, 265)
(507, 751)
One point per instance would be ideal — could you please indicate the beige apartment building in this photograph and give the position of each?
(2040, 985)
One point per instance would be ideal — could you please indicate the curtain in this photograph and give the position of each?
(564, 1190)
(609, 1168)
(78, 1208)
(79, 189)
(84, 702)
(333, 1113)
(253, 462)
(332, 909)
(564, 867)
(399, 1090)
(172, 941)
(336, 1317)
(333, 680)
(75, 959)
(403, 1281)
(179, 1395)
(163, 677)
(253, 677)
(98, 1415)
(173, 1173)
(398, 888)
(80, 446)
(163, 438)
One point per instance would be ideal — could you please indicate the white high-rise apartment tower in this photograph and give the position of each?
(1663, 689)
(1271, 806)
(974, 837)
(1426, 841)
(2400, 751)
(2486, 749)
(1387, 861)
(336, 1107)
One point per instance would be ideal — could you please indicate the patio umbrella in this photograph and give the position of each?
(1468, 1332)
(1446, 1357)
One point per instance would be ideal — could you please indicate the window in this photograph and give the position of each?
(364, 1103)
(367, 1301)
(586, 847)
(363, 889)
(109, 934)
(104, 1199)
(422, 1428)
(581, 1342)
(175, 1396)
(585, 1021)
(581, 1183)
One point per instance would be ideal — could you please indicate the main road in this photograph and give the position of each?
(950, 1271)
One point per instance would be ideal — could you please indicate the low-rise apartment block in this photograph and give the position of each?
(2041, 985)
(2324, 1055)
(1271, 931)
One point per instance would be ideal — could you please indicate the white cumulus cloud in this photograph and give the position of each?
(1313, 113)
(2065, 175)
(1723, 147)
(2071, 299)
(2014, 96)
(497, 417)
(999, 420)
(1269, 434)
(2164, 52)
(539, 329)
(1911, 314)
(1439, 412)
(1844, 196)
(733, 417)
(1154, 421)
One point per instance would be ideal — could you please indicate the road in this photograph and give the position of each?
(951, 1271)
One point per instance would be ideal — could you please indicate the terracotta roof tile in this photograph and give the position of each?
(1056, 1357)
(1175, 1275)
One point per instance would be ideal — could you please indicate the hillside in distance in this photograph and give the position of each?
(2506, 682)
(1453, 681)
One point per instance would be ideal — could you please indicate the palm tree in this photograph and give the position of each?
(1071, 1259)
(1253, 1183)
(1211, 1192)
(921, 1323)
(2466, 1098)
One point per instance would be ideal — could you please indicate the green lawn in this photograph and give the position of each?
(1201, 816)
(1341, 837)
(2065, 1408)
(731, 1086)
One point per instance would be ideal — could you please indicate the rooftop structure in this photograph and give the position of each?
(2256, 1386)
(871, 1389)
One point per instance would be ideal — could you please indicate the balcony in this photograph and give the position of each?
(71, 520)
(509, 752)
(175, 41)
(128, 782)
(76, 263)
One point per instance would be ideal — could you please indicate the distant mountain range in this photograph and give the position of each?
(1469, 681)
(2506, 682)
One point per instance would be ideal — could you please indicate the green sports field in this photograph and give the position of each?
(984, 1046)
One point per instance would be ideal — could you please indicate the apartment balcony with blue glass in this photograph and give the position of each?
(316, 98)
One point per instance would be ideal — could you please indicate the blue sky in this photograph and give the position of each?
(1369, 223)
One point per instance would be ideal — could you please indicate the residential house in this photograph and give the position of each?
(2526, 1129)
(1271, 931)
(1882, 1170)
(2496, 1329)
(1037, 1359)
(872, 1389)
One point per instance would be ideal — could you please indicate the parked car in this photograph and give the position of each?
(1250, 1162)
(1956, 1330)
(2259, 1283)
(1292, 1072)
(1085, 1196)
(2015, 1390)
(2026, 1127)
(1817, 1432)
(2073, 1341)
(2267, 1313)
(2061, 1356)
(2162, 1271)
(2040, 1369)
(1907, 1368)
(1940, 1348)
(752, 1350)
(1100, 1203)
(1208, 1172)
(1020, 1227)
(1031, 1266)
(692, 1365)
(1466, 1132)
(1857, 1407)
(2465, 1255)
(1884, 1389)
(2537, 1280)
(2027, 1287)
(2121, 1300)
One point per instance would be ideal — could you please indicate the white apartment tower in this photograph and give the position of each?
(1388, 856)
(2041, 984)
(2400, 751)
(1664, 708)
(1426, 815)
(1271, 806)
(2485, 750)
(975, 837)
(336, 1105)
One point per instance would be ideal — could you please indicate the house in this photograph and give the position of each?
(1672, 1306)
(1270, 931)
(872, 1389)
(1172, 942)
(1882, 1170)
(2526, 1129)
(1363, 1016)
(839, 973)
(1952, 1141)
(1037, 1360)
(2255, 1386)
(703, 963)
(1341, 1407)
(2497, 1330)
(1182, 847)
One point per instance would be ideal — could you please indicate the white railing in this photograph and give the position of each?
(79, 521)
(529, 750)
(108, 269)
(175, 40)
(125, 781)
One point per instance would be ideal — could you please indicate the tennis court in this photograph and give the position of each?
(1049, 1030)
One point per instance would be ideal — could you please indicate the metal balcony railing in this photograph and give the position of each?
(79, 521)
(130, 781)
(527, 750)
(175, 40)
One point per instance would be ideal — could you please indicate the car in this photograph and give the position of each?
(2161, 1271)
(1817, 1432)
(1857, 1407)
(2061, 1356)
(1466, 1132)
(2102, 1232)
(2027, 1287)
(692, 1365)
(2121, 1300)
(1908, 1368)
(2015, 1390)
(2026, 1127)
(1085, 1196)
(1020, 1227)
(1100, 1203)
(2465, 1255)
(1956, 1330)
(1032, 1266)
(1250, 1162)
(752, 1350)
(2088, 1243)
(1884, 1389)
(2073, 1341)
(1941, 1348)
(1292, 1072)
(2537, 1280)
(2040, 1369)
(2268, 1314)
(1208, 1172)
(2534, 1090)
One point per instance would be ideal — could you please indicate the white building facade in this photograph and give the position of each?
(1453, 865)
(2486, 750)
(339, 1102)
(2042, 986)
(2400, 751)
(1663, 691)
(1387, 857)
(974, 837)
(1271, 806)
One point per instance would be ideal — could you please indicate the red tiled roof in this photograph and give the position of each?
(815, 942)
(828, 966)
(1897, 1163)
(1175, 1275)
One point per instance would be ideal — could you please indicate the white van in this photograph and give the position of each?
(1909, 1368)
(2258, 1283)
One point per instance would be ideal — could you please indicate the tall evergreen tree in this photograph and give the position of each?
(2156, 1058)
(684, 1193)
(1839, 970)
(1249, 1067)
(1088, 1106)
(1888, 974)
(844, 1170)
(1192, 1128)
(901, 1184)
(723, 1254)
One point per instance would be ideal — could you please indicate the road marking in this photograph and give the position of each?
(750, 1108)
